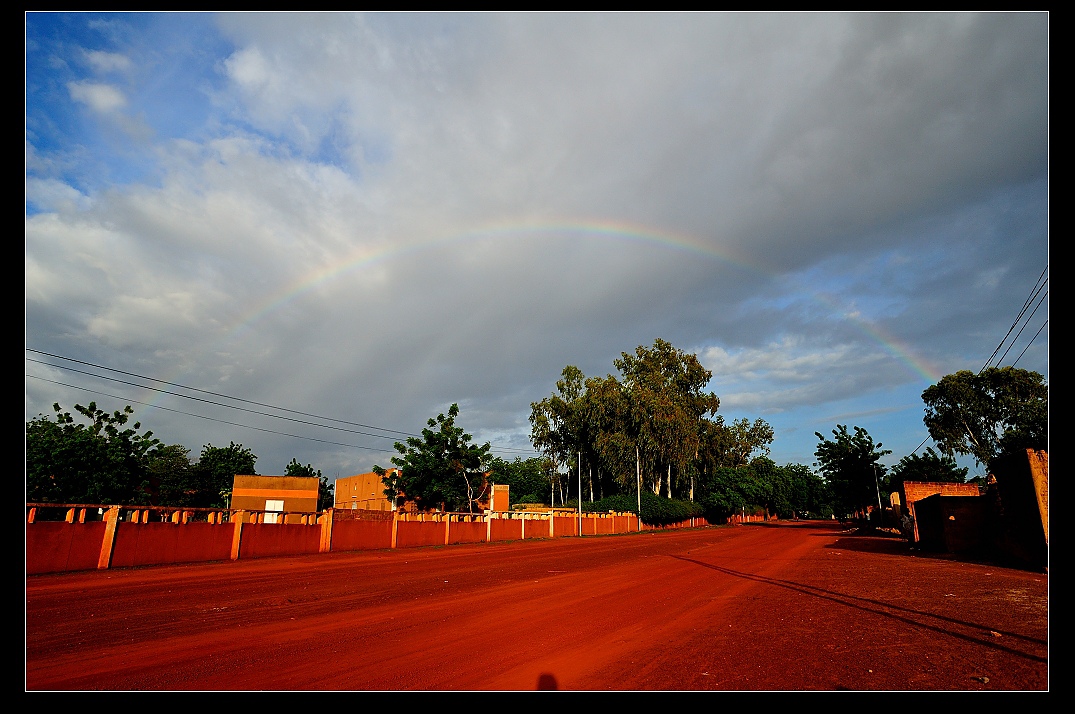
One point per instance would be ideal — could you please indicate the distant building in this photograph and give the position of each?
(363, 491)
(275, 495)
(366, 492)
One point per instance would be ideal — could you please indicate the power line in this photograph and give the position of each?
(1039, 285)
(502, 449)
(1021, 331)
(1030, 343)
(204, 391)
(200, 416)
(209, 401)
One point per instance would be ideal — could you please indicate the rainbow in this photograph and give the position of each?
(621, 232)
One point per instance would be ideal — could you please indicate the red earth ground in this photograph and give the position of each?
(776, 607)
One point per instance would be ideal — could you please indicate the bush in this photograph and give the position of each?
(656, 511)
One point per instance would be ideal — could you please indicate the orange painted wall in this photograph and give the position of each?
(261, 540)
(500, 500)
(361, 535)
(505, 529)
(467, 533)
(163, 543)
(56, 547)
(418, 533)
(565, 526)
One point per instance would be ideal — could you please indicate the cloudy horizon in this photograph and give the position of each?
(368, 217)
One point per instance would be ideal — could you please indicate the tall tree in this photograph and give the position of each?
(810, 493)
(930, 466)
(999, 411)
(171, 475)
(849, 464)
(215, 473)
(440, 469)
(557, 428)
(102, 461)
(665, 389)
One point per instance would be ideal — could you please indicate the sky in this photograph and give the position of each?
(309, 233)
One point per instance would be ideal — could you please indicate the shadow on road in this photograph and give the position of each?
(973, 632)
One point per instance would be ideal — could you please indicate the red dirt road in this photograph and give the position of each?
(787, 607)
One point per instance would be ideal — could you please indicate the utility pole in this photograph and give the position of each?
(880, 511)
(638, 470)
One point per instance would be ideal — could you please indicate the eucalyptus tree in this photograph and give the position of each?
(665, 389)
(997, 411)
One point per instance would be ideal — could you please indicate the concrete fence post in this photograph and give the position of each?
(237, 534)
(326, 531)
(111, 519)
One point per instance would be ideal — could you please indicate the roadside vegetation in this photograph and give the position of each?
(647, 439)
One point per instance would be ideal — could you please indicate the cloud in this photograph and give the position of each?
(105, 62)
(101, 98)
(374, 216)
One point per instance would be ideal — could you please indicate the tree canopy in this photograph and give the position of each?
(849, 464)
(999, 411)
(441, 469)
(929, 466)
(325, 491)
(104, 461)
(215, 472)
(528, 481)
(648, 417)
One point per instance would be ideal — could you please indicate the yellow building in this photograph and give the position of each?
(363, 491)
(275, 495)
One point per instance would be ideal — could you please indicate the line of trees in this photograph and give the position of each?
(651, 429)
(654, 427)
(104, 459)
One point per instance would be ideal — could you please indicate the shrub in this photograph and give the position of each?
(656, 510)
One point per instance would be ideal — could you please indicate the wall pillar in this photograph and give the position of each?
(237, 534)
(108, 542)
(325, 520)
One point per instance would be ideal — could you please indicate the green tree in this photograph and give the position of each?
(666, 397)
(215, 473)
(440, 469)
(558, 429)
(102, 462)
(647, 420)
(528, 481)
(849, 465)
(810, 493)
(171, 475)
(1001, 410)
(930, 466)
(325, 491)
